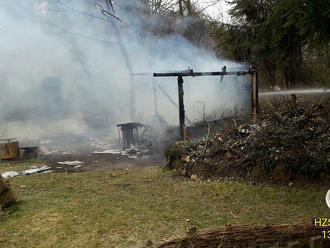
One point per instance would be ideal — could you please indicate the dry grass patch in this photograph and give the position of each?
(99, 209)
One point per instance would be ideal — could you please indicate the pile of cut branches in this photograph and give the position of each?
(287, 143)
(244, 236)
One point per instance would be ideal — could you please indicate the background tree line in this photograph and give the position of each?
(287, 40)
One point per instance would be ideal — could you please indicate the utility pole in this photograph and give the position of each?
(127, 60)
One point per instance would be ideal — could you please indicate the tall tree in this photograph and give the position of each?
(250, 38)
(274, 34)
(310, 18)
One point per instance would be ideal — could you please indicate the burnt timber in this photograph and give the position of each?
(191, 73)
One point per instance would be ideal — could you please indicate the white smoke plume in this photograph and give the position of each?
(62, 71)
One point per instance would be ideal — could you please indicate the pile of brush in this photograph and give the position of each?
(290, 142)
(243, 236)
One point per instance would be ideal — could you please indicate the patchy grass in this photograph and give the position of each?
(125, 209)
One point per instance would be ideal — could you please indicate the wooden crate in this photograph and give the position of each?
(9, 150)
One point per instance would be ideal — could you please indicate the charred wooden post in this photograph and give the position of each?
(156, 85)
(255, 94)
(223, 72)
(181, 108)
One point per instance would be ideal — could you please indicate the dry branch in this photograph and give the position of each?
(244, 236)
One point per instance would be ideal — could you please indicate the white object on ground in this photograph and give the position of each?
(31, 170)
(119, 152)
(109, 152)
(130, 153)
(132, 156)
(72, 163)
(34, 169)
(10, 174)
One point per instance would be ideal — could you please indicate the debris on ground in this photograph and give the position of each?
(244, 236)
(132, 153)
(72, 163)
(291, 142)
(35, 169)
(10, 174)
(109, 152)
(29, 171)
(7, 194)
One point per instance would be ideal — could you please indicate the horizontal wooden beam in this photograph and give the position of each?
(191, 73)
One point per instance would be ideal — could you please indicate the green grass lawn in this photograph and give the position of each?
(125, 209)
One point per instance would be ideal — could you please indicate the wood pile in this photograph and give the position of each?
(244, 236)
(286, 144)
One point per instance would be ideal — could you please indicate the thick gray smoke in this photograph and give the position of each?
(62, 71)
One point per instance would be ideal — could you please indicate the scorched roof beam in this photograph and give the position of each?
(223, 72)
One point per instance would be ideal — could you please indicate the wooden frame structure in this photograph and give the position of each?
(223, 72)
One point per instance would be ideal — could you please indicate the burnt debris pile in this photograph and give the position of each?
(288, 142)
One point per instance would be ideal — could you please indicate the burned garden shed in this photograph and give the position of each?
(130, 133)
(190, 73)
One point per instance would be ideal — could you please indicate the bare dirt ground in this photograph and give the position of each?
(99, 161)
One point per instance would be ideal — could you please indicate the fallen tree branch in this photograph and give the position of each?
(244, 236)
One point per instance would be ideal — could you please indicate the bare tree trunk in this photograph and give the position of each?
(189, 8)
(181, 7)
